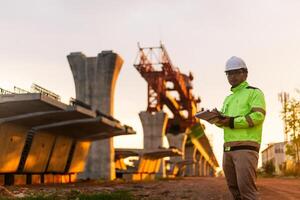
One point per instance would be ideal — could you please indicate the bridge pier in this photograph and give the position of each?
(154, 128)
(208, 170)
(201, 166)
(189, 155)
(197, 164)
(95, 79)
(205, 168)
(177, 141)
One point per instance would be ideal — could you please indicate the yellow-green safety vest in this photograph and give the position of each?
(246, 108)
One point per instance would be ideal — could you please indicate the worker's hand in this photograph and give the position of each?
(223, 121)
(217, 116)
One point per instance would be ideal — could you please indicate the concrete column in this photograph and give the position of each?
(189, 155)
(177, 141)
(204, 167)
(197, 157)
(201, 166)
(154, 127)
(95, 79)
(208, 170)
(211, 172)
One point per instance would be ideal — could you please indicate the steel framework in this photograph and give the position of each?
(167, 86)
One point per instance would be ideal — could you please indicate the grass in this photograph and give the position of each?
(117, 195)
(120, 195)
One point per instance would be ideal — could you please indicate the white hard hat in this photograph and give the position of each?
(234, 63)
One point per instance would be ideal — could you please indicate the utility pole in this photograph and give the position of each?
(283, 98)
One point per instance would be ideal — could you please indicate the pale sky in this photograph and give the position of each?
(37, 35)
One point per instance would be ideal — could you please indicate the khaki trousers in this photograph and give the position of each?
(240, 172)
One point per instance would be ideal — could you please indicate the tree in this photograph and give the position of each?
(291, 118)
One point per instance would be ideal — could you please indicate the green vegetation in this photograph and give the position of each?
(269, 168)
(291, 118)
(117, 195)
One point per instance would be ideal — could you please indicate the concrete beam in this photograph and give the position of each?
(79, 157)
(39, 153)
(162, 153)
(38, 134)
(19, 104)
(59, 154)
(85, 129)
(12, 141)
(125, 153)
(25, 112)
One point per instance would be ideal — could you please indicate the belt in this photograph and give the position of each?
(243, 147)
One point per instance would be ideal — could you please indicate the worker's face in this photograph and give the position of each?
(235, 77)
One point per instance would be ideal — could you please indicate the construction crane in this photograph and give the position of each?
(167, 86)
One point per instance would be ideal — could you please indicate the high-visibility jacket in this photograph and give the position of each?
(247, 109)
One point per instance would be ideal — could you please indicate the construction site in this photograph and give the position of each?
(149, 100)
(45, 141)
(48, 145)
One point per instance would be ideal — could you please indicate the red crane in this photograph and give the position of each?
(167, 86)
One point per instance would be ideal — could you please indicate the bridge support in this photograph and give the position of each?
(154, 127)
(177, 141)
(189, 155)
(204, 168)
(197, 157)
(95, 79)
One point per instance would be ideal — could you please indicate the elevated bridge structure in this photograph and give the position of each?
(147, 167)
(46, 141)
(171, 110)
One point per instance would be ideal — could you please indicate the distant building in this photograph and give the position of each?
(275, 152)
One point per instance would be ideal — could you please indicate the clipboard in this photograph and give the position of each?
(207, 115)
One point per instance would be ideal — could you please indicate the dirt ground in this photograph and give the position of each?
(193, 188)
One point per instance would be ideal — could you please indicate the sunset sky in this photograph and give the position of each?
(37, 35)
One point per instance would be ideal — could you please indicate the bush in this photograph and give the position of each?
(269, 168)
(291, 169)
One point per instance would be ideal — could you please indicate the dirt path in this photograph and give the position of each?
(275, 188)
(200, 188)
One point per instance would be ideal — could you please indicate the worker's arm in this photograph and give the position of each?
(256, 115)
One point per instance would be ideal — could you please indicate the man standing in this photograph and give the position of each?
(242, 117)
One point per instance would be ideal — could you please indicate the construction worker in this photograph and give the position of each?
(242, 118)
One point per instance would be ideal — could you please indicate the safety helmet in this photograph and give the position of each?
(234, 63)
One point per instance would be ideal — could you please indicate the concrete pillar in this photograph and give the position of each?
(211, 172)
(204, 167)
(177, 141)
(95, 79)
(189, 155)
(201, 165)
(154, 127)
(208, 170)
(197, 157)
